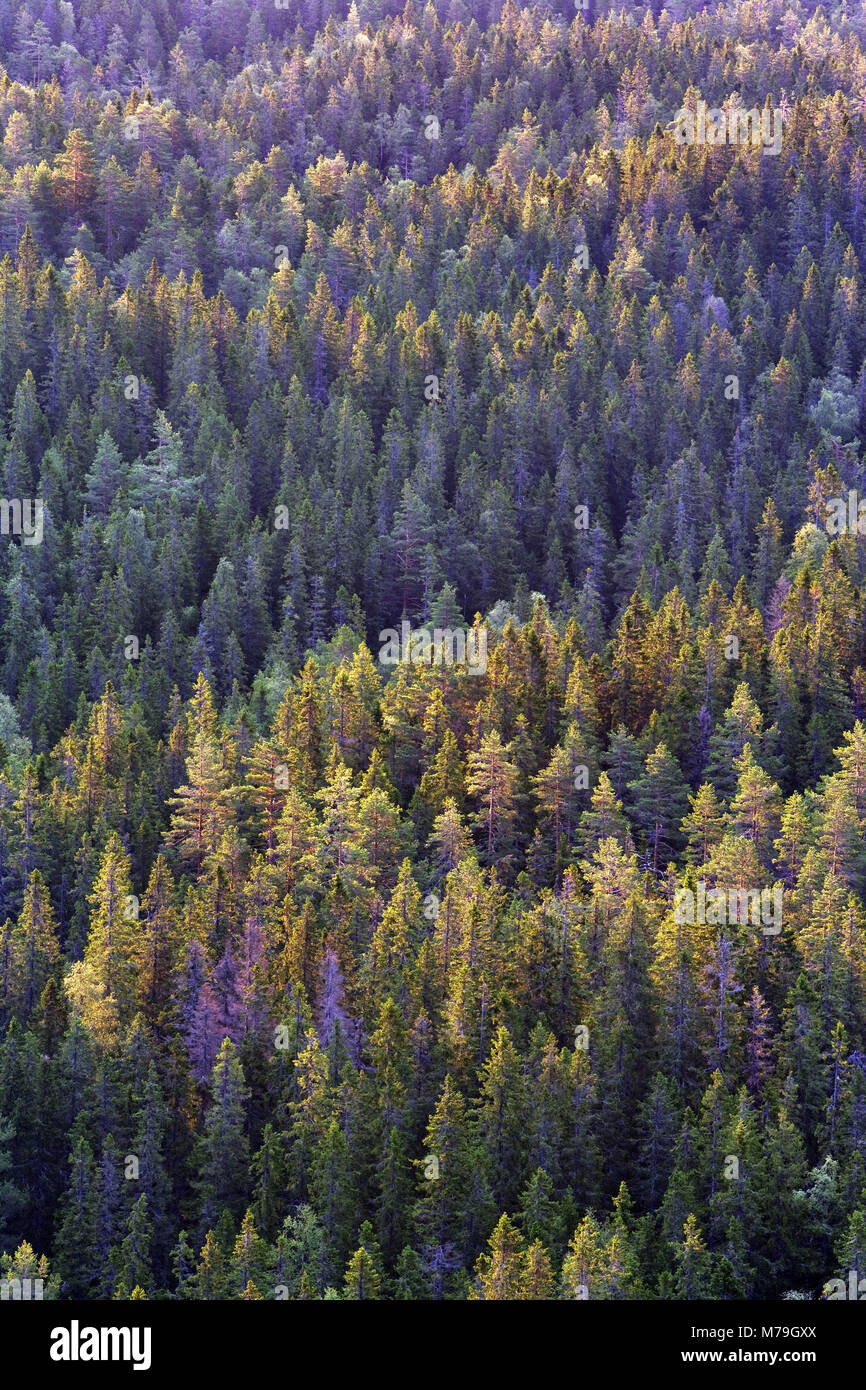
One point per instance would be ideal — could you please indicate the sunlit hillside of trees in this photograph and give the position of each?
(333, 966)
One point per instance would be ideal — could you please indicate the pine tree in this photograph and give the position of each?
(502, 1118)
(501, 1274)
(251, 1261)
(660, 795)
(333, 1192)
(604, 820)
(113, 958)
(105, 478)
(692, 1262)
(584, 1263)
(703, 826)
(12, 1199)
(753, 811)
(35, 949)
(441, 1212)
(162, 947)
(202, 805)
(210, 1281)
(362, 1280)
(75, 1248)
(135, 1274)
(223, 1149)
(492, 777)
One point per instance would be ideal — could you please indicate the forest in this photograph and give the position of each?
(432, 651)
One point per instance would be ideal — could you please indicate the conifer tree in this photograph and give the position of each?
(114, 954)
(501, 1274)
(492, 778)
(660, 796)
(35, 949)
(223, 1151)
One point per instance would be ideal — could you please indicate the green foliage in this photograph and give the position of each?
(336, 963)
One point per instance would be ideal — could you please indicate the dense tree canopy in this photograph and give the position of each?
(331, 966)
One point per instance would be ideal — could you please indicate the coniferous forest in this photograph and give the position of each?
(432, 650)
